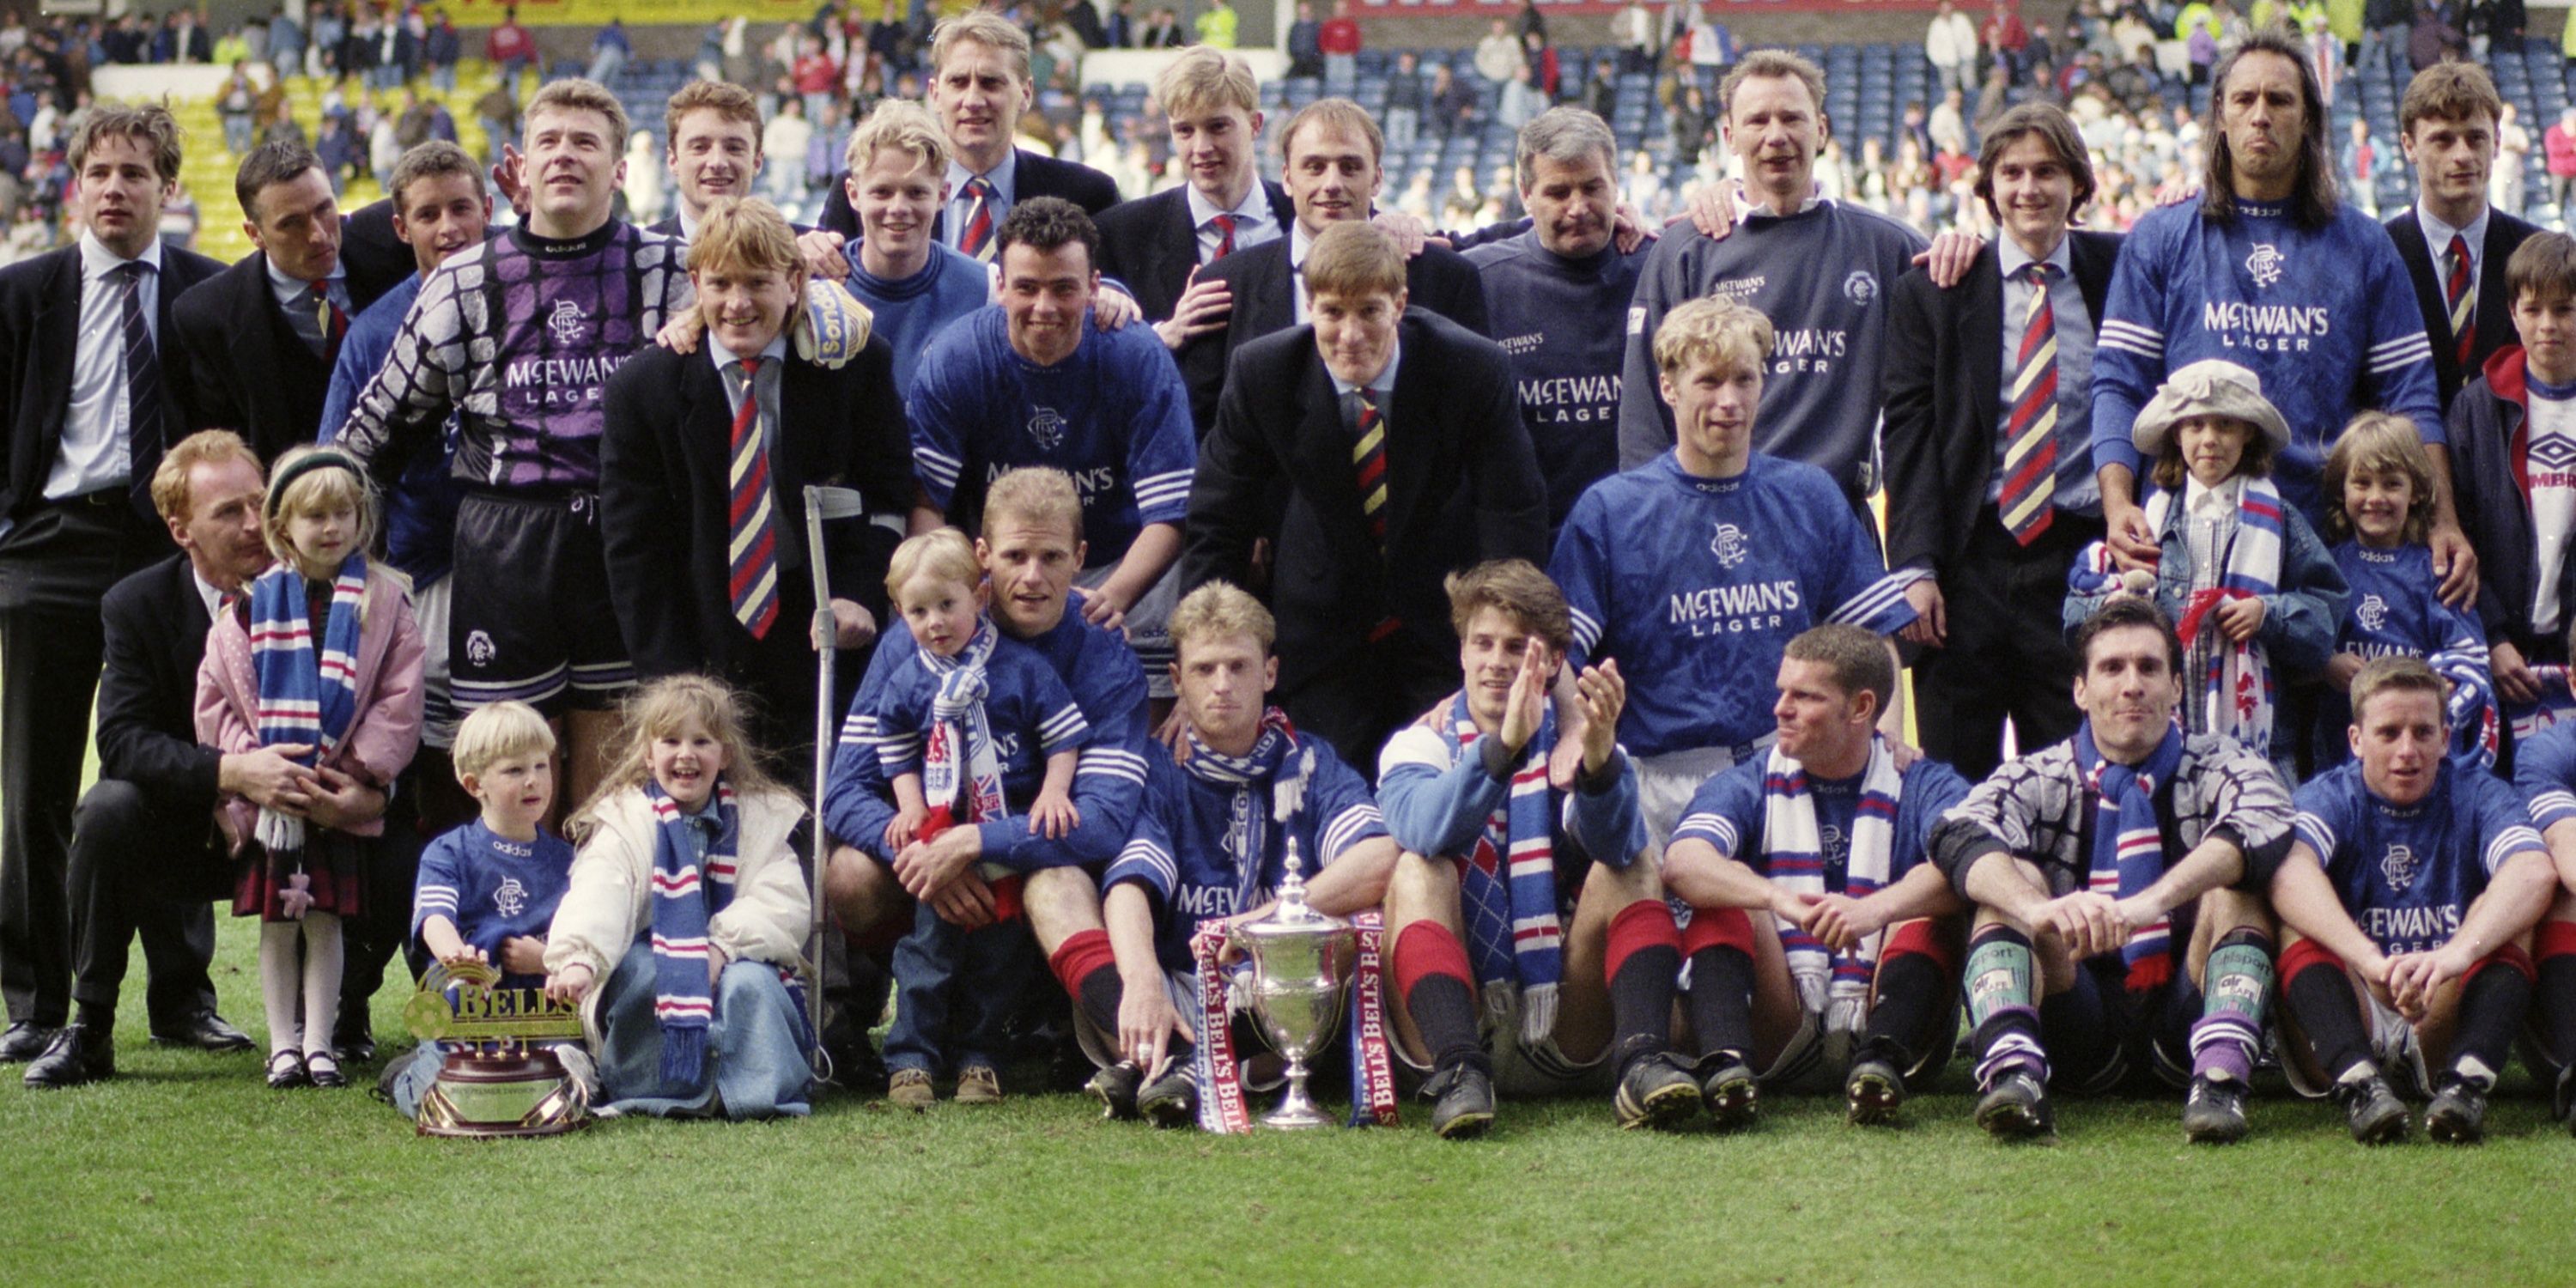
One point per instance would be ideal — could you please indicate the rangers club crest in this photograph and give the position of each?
(2265, 264)
(2373, 613)
(1046, 429)
(1729, 545)
(2399, 865)
(511, 899)
(1861, 287)
(566, 322)
(479, 648)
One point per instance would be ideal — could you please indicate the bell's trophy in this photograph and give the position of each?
(499, 1077)
(1300, 967)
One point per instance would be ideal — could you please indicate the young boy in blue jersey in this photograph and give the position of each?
(912, 283)
(487, 891)
(1208, 845)
(1532, 945)
(1697, 568)
(2406, 900)
(972, 728)
(1858, 955)
(2381, 488)
(1029, 381)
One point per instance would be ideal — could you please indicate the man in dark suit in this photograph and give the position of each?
(145, 853)
(1156, 245)
(2455, 244)
(1333, 153)
(1988, 444)
(1376, 451)
(980, 88)
(261, 337)
(88, 410)
(669, 468)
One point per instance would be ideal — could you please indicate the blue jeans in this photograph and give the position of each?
(953, 990)
(755, 1064)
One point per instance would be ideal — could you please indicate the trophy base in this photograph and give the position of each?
(479, 1096)
(1297, 1111)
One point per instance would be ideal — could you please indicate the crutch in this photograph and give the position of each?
(822, 503)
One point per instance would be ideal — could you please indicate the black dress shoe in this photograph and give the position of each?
(204, 1030)
(24, 1040)
(76, 1056)
(356, 1046)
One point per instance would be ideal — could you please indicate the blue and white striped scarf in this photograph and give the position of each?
(2128, 843)
(308, 694)
(1834, 986)
(686, 897)
(1247, 829)
(1508, 890)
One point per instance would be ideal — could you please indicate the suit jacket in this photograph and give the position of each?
(156, 639)
(1151, 244)
(39, 318)
(664, 467)
(246, 369)
(1032, 175)
(2495, 328)
(1462, 487)
(1265, 300)
(1944, 381)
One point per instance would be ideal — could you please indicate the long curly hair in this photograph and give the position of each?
(2313, 201)
(664, 707)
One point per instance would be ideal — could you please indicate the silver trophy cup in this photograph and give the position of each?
(1300, 970)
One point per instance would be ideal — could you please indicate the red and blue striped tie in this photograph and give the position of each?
(1224, 222)
(2030, 434)
(2462, 294)
(977, 240)
(1368, 455)
(753, 579)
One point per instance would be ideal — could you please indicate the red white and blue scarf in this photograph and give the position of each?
(961, 769)
(2237, 689)
(308, 690)
(2128, 844)
(1832, 985)
(686, 895)
(1508, 889)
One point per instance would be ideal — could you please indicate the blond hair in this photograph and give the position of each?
(1728, 332)
(1219, 610)
(944, 553)
(316, 489)
(745, 234)
(1034, 494)
(1207, 80)
(1354, 258)
(2397, 674)
(2376, 442)
(1516, 589)
(666, 706)
(986, 28)
(579, 95)
(496, 732)
(905, 126)
(170, 496)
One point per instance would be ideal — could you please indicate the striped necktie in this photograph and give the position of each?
(753, 579)
(977, 240)
(1224, 236)
(142, 362)
(2030, 434)
(2462, 292)
(1368, 456)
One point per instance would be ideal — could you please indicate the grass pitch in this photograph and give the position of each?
(186, 1169)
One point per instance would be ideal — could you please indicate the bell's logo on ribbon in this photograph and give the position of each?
(459, 1004)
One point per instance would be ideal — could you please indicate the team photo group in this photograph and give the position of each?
(1762, 656)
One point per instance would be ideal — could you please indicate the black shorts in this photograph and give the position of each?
(531, 620)
(2102, 1038)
